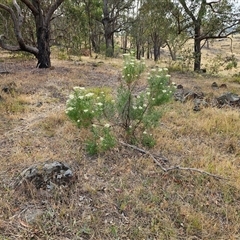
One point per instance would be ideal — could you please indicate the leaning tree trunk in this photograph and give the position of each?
(172, 51)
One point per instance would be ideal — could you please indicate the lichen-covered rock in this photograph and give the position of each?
(184, 95)
(229, 99)
(46, 175)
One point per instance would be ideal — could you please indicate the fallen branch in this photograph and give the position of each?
(173, 167)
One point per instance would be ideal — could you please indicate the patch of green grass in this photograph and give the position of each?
(236, 78)
(13, 105)
(22, 55)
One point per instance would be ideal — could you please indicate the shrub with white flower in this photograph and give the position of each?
(132, 68)
(88, 110)
(141, 110)
(80, 106)
(131, 115)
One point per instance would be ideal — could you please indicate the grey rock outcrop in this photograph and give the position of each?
(46, 175)
(229, 99)
(200, 100)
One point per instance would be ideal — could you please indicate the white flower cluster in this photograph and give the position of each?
(79, 88)
(99, 104)
(90, 94)
(107, 125)
(69, 109)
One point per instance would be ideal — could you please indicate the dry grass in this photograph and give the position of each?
(121, 194)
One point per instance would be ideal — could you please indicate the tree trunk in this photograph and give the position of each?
(125, 42)
(109, 45)
(156, 51)
(149, 51)
(138, 54)
(156, 46)
(172, 51)
(143, 51)
(108, 34)
(43, 38)
(197, 49)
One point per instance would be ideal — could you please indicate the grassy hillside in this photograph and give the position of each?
(123, 193)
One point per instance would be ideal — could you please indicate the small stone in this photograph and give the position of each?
(223, 85)
(32, 214)
(179, 86)
(197, 104)
(39, 104)
(214, 86)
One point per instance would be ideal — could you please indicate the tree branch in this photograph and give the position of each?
(6, 46)
(170, 168)
(31, 7)
(210, 5)
(22, 46)
(19, 12)
(188, 11)
(52, 9)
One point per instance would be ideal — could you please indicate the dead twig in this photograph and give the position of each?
(173, 167)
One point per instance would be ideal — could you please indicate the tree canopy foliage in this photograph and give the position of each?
(114, 26)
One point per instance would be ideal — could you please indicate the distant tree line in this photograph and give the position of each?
(112, 26)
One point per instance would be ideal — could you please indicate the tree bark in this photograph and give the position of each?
(197, 48)
(156, 52)
(43, 39)
(108, 34)
(138, 53)
(156, 46)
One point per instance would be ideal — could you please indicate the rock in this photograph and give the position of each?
(178, 94)
(179, 86)
(39, 104)
(197, 96)
(46, 175)
(184, 95)
(214, 86)
(223, 85)
(31, 214)
(229, 99)
(197, 104)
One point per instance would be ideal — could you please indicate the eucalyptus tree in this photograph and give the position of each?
(114, 20)
(93, 10)
(159, 23)
(40, 13)
(74, 36)
(208, 20)
(139, 37)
